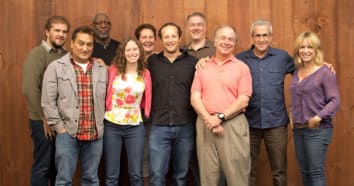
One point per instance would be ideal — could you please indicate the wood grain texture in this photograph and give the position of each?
(22, 29)
(344, 135)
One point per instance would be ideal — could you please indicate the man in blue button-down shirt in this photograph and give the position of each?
(266, 112)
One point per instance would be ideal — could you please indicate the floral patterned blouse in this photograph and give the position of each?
(126, 98)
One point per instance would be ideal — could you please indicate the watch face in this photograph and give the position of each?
(221, 116)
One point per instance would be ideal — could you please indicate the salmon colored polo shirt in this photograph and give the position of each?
(220, 85)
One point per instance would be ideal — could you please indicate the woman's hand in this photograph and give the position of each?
(314, 122)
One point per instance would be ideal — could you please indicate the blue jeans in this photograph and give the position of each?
(175, 142)
(43, 167)
(311, 148)
(68, 149)
(133, 138)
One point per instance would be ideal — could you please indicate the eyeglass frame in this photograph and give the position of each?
(98, 23)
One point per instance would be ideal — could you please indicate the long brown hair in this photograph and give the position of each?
(121, 62)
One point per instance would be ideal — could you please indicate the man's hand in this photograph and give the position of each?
(218, 130)
(100, 61)
(331, 67)
(48, 133)
(212, 121)
(291, 121)
(61, 131)
(202, 63)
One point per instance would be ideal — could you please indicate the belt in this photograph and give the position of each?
(301, 125)
(238, 114)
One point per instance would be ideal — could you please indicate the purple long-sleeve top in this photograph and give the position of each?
(317, 94)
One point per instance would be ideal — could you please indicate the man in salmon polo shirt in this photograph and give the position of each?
(220, 93)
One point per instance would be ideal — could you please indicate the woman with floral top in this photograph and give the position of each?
(129, 90)
(314, 101)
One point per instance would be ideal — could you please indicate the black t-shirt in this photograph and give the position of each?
(171, 87)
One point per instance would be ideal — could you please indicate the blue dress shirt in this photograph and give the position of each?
(266, 108)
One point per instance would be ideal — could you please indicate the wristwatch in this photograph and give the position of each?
(221, 116)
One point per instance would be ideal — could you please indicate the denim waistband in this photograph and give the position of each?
(301, 125)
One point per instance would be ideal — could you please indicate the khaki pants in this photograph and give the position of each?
(230, 152)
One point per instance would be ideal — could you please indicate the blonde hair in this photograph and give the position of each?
(315, 43)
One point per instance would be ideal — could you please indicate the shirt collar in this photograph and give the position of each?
(208, 44)
(91, 60)
(102, 44)
(49, 48)
(231, 59)
(183, 53)
(270, 52)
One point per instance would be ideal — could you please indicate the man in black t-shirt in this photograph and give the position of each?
(104, 46)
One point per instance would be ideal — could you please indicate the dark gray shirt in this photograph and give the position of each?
(206, 51)
(106, 53)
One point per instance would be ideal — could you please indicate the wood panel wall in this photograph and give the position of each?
(22, 25)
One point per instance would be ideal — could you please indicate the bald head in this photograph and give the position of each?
(98, 16)
(225, 41)
(225, 27)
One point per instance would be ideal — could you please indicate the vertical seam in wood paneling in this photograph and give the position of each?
(1, 61)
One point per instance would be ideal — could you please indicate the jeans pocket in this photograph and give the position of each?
(327, 137)
(37, 131)
(61, 136)
(325, 134)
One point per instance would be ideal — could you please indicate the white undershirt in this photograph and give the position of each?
(82, 65)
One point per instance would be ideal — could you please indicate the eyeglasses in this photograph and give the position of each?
(258, 36)
(224, 38)
(196, 24)
(97, 23)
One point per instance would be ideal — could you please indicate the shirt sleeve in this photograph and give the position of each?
(49, 98)
(147, 94)
(245, 83)
(290, 64)
(33, 70)
(331, 92)
(196, 85)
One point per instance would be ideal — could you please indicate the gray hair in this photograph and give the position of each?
(261, 22)
(197, 14)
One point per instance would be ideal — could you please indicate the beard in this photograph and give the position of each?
(102, 36)
(55, 45)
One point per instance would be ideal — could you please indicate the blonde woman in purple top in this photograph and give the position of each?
(314, 102)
